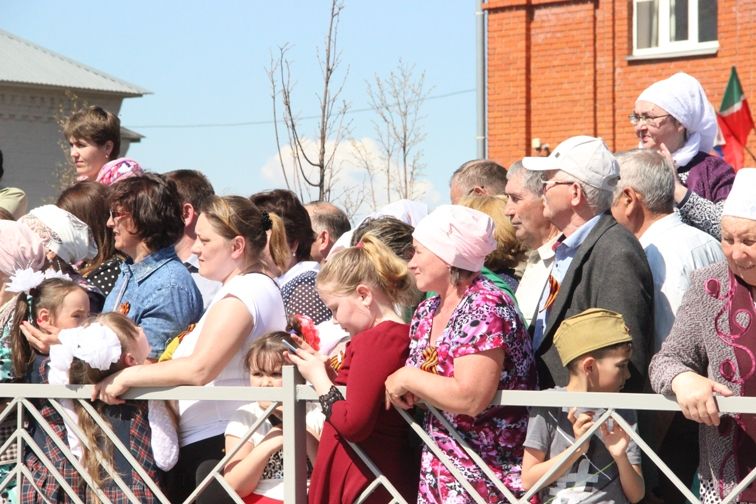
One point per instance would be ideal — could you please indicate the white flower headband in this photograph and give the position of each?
(95, 344)
(24, 280)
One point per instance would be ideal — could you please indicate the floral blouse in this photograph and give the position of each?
(485, 319)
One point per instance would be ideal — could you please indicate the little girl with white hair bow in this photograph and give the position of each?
(146, 429)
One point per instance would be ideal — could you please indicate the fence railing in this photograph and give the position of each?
(293, 395)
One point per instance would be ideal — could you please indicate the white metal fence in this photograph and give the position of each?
(293, 395)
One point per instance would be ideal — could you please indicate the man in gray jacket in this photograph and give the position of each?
(598, 264)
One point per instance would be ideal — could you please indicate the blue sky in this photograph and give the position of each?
(205, 62)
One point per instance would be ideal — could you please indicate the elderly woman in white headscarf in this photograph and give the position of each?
(674, 116)
(711, 350)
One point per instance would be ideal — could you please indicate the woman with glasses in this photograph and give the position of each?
(674, 117)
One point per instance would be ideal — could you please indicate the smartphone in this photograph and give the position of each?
(289, 346)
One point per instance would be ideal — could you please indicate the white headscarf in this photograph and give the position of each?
(408, 211)
(62, 233)
(684, 98)
(741, 201)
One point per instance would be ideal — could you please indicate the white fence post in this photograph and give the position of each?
(295, 442)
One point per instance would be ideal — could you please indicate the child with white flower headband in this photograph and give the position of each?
(50, 301)
(86, 355)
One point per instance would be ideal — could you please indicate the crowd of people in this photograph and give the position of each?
(582, 271)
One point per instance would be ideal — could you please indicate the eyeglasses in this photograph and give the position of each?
(636, 119)
(116, 216)
(548, 184)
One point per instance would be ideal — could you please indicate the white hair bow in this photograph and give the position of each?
(95, 344)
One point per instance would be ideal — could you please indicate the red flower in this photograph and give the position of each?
(308, 331)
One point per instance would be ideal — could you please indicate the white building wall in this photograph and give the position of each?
(30, 137)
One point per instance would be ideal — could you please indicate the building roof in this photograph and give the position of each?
(131, 135)
(26, 63)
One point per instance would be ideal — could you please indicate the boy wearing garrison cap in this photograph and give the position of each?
(595, 347)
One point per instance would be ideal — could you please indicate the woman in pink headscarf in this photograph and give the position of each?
(467, 342)
(20, 248)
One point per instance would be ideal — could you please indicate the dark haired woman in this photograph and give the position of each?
(154, 289)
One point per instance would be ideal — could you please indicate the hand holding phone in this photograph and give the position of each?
(291, 348)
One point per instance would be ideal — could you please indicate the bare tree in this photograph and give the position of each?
(64, 174)
(398, 100)
(314, 165)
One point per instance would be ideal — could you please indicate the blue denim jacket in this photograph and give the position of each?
(158, 294)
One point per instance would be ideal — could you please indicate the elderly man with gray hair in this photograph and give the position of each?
(477, 177)
(525, 210)
(644, 203)
(598, 263)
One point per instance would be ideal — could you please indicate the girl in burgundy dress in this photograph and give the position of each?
(364, 286)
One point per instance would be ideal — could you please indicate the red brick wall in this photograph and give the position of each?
(559, 68)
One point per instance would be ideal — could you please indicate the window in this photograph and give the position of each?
(666, 28)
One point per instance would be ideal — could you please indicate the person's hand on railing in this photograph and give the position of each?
(580, 425)
(397, 395)
(109, 390)
(40, 340)
(695, 395)
(615, 439)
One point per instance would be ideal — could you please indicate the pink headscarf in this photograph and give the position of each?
(20, 248)
(118, 169)
(460, 236)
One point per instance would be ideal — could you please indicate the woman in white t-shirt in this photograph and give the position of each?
(231, 238)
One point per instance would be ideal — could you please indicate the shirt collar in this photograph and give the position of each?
(659, 227)
(149, 264)
(546, 251)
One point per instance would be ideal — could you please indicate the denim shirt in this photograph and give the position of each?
(159, 295)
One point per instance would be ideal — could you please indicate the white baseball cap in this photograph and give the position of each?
(741, 202)
(586, 158)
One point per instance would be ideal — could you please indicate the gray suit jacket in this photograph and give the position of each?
(609, 271)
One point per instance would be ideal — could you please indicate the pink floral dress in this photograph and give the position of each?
(485, 319)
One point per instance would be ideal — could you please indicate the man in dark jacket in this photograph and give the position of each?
(599, 264)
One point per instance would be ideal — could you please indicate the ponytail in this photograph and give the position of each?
(277, 243)
(373, 263)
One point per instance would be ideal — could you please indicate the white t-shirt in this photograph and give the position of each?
(200, 420)
(271, 483)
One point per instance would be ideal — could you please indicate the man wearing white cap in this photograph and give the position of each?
(598, 263)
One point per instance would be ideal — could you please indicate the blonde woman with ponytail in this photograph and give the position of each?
(365, 287)
(231, 241)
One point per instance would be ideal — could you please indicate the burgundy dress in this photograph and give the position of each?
(339, 475)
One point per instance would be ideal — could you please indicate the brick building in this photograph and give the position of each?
(558, 68)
